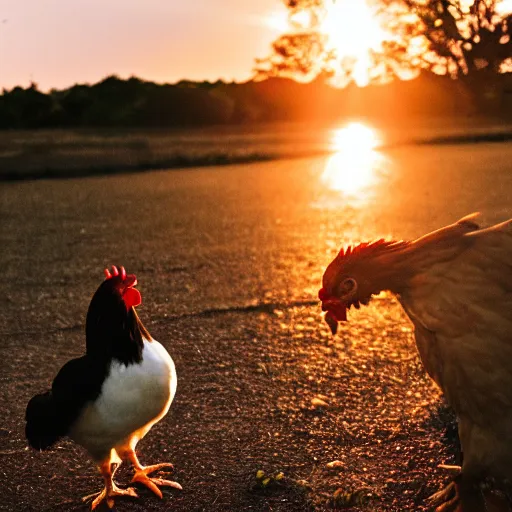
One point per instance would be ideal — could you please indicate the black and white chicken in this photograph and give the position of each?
(108, 399)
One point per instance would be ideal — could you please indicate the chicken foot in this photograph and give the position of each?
(110, 490)
(447, 498)
(141, 474)
(464, 494)
(460, 495)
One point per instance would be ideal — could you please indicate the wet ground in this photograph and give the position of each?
(229, 262)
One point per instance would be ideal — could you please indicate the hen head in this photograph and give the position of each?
(351, 279)
(122, 284)
(112, 325)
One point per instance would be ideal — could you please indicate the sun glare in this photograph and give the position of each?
(353, 169)
(353, 31)
(278, 21)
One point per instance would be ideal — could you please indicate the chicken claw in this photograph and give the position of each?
(109, 494)
(447, 498)
(141, 476)
(467, 495)
(110, 491)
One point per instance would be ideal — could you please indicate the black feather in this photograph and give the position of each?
(41, 430)
(111, 331)
(50, 415)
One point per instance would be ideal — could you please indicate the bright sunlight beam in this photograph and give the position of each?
(354, 169)
(353, 31)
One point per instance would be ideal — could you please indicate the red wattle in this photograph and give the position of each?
(132, 297)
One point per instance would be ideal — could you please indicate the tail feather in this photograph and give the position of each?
(42, 428)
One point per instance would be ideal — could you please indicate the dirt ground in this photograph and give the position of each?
(229, 263)
(258, 390)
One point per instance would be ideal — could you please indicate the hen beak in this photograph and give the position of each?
(336, 311)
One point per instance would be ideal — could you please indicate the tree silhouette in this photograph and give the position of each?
(303, 52)
(468, 39)
(27, 108)
(301, 55)
(462, 39)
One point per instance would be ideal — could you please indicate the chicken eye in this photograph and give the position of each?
(348, 287)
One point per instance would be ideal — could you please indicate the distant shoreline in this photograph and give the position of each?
(94, 159)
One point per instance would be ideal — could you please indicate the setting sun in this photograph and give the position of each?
(353, 31)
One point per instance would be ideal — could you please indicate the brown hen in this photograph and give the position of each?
(455, 284)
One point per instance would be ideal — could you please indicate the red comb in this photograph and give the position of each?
(115, 272)
(353, 250)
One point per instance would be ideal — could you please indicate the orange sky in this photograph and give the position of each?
(57, 43)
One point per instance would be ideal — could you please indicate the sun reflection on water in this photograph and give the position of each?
(356, 166)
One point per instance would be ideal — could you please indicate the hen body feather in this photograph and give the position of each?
(455, 284)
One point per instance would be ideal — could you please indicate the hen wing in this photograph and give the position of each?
(462, 310)
(50, 415)
(78, 382)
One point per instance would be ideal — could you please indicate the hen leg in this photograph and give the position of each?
(111, 490)
(465, 494)
(141, 474)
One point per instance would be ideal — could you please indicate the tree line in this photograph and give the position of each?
(115, 102)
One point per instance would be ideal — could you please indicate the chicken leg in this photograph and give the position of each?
(111, 490)
(466, 495)
(458, 497)
(141, 474)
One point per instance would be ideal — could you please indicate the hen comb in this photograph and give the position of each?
(354, 250)
(115, 272)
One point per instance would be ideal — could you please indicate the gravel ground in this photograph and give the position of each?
(229, 261)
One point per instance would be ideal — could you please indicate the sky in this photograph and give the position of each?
(57, 43)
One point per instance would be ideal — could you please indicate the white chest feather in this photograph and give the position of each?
(132, 397)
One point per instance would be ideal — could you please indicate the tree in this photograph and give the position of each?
(27, 108)
(303, 53)
(461, 38)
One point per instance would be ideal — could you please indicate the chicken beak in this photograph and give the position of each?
(332, 322)
(336, 311)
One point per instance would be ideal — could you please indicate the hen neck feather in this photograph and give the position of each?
(394, 267)
(385, 266)
(112, 331)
